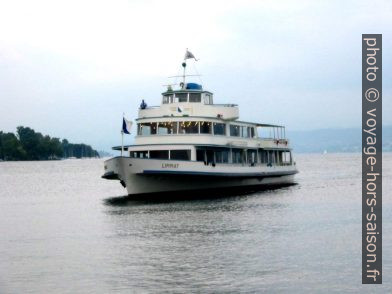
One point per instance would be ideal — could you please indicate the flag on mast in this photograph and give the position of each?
(126, 126)
(189, 55)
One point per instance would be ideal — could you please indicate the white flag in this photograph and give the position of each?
(189, 55)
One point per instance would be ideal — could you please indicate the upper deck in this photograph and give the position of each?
(190, 100)
(189, 116)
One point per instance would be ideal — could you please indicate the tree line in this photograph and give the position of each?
(27, 144)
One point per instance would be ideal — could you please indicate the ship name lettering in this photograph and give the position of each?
(170, 165)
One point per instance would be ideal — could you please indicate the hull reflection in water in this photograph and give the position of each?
(186, 195)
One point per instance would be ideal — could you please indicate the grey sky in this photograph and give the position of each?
(71, 68)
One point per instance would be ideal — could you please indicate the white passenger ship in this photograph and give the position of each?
(188, 143)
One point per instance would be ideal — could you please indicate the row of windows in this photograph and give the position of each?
(162, 154)
(193, 127)
(241, 156)
(186, 97)
(221, 155)
(241, 131)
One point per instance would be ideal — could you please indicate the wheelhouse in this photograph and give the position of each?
(192, 93)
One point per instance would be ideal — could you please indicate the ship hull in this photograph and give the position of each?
(147, 176)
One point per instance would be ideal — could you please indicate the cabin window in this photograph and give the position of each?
(252, 133)
(235, 130)
(138, 154)
(159, 154)
(200, 154)
(167, 99)
(271, 157)
(252, 156)
(263, 156)
(221, 156)
(219, 129)
(205, 127)
(286, 157)
(207, 99)
(195, 97)
(278, 157)
(145, 129)
(236, 155)
(245, 133)
(165, 128)
(180, 154)
(188, 127)
(182, 97)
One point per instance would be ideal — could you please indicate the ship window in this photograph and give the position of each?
(194, 97)
(200, 154)
(219, 129)
(207, 99)
(252, 133)
(182, 97)
(205, 127)
(286, 158)
(159, 154)
(263, 156)
(245, 132)
(271, 157)
(138, 154)
(180, 154)
(167, 128)
(222, 156)
(188, 127)
(147, 129)
(278, 157)
(235, 130)
(252, 156)
(167, 99)
(236, 155)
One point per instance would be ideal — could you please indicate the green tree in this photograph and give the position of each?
(56, 150)
(1, 146)
(31, 145)
(30, 141)
(11, 147)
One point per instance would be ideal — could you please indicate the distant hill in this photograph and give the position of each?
(334, 140)
(27, 144)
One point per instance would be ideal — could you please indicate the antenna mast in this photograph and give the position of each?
(183, 74)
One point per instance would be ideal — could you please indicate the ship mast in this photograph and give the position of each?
(183, 73)
(188, 55)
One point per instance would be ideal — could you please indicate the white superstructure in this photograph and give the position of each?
(190, 143)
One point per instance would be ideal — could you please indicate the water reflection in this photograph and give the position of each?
(184, 241)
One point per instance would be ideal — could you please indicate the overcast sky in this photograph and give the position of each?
(71, 68)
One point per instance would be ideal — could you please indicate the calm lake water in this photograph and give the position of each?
(62, 232)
